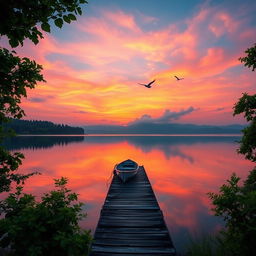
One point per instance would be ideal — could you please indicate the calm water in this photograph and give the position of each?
(181, 169)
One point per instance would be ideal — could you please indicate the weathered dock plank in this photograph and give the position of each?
(131, 221)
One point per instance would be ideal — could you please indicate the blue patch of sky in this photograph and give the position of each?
(67, 33)
(223, 4)
(247, 12)
(232, 3)
(70, 60)
(236, 70)
(242, 9)
(224, 42)
(166, 11)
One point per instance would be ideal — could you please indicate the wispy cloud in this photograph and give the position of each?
(98, 66)
(36, 99)
(219, 109)
(80, 112)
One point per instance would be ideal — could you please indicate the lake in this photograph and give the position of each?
(181, 169)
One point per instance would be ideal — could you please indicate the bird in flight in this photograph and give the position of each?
(178, 78)
(149, 84)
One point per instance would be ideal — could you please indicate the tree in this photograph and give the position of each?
(250, 60)
(16, 75)
(247, 105)
(53, 222)
(49, 227)
(19, 19)
(235, 203)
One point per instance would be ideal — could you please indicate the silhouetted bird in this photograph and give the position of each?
(149, 84)
(178, 78)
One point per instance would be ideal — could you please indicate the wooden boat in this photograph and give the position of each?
(126, 169)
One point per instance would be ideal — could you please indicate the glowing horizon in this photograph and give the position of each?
(93, 66)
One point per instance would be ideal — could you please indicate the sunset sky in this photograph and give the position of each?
(93, 66)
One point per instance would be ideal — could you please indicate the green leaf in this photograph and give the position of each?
(79, 10)
(58, 22)
(34, 38)
(66, 19)
(46, 27)
(72, 16)
(13, 42)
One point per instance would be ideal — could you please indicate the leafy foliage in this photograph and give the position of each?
(250, 59)
(248, 142)
(28, 227)
(16, 75)
(247, 105)
(19, 18)
(49, 227)
(237, 205)
(9, 164)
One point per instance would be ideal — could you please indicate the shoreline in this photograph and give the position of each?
(134, 135)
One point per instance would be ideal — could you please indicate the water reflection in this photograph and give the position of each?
(181, 170)
(37, 142)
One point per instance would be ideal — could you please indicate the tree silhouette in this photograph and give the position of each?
(28, 227)
(236, 203)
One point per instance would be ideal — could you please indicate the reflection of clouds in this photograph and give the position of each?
(37, 142)
(186, 215)
(175, 151)
(46, 171)
(167, 145)
(180, 186)
(168, 150)
(187, 211)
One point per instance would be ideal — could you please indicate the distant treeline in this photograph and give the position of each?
(39, 142)
(41, 127)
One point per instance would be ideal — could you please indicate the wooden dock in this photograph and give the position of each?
(131, 222)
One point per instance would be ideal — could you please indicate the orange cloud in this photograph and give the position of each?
(187, 172)
(94, 75)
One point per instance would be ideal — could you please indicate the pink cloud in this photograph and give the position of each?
(122, 20)
(223, 23)
(118, 53)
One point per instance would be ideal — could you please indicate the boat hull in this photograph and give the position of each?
(126, 170)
